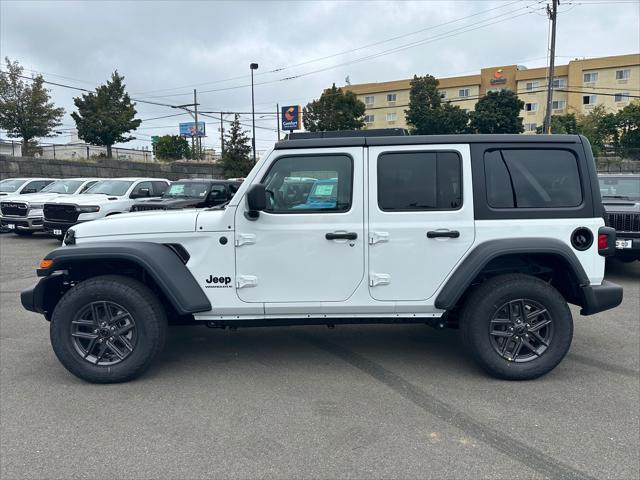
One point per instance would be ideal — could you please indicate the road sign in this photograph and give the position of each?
(188, 129)
(291, 117)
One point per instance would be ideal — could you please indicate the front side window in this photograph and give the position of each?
(35, 186)
(187, 190)
(535, 178)
(410, 181)
(309, 184)
(110, 187)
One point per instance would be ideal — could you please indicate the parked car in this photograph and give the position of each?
(621, 199)
(494, 234)
(190, 193)
(105, 198)
(23, 215)
(11, 187)
(21, 186)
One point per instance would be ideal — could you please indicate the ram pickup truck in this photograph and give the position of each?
(190, 193)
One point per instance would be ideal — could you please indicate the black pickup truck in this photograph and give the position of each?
(191, 193)
(621, 199)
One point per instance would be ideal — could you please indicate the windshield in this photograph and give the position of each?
(62, 186)
(10, 185)
(187, 189)
(110, 187)
(616, 187)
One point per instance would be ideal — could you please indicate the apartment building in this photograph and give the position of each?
(579, 86)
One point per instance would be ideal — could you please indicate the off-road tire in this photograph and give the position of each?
(483, 304)
(136, 298)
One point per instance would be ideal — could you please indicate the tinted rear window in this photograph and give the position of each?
(410, 181)
(533, 178)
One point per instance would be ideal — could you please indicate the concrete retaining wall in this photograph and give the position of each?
(103, 168)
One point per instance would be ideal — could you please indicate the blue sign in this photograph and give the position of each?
(291, 117)
(188, 129)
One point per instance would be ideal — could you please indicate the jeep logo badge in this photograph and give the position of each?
(218, 282)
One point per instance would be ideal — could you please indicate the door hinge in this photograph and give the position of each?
(245, 239)
(376, 279)
(377, 237)
(246, 281)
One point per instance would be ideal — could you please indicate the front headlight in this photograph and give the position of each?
(88, 208)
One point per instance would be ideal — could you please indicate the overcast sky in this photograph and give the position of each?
(166, 48)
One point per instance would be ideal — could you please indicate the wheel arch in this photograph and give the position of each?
(156, 265)
(545, 258)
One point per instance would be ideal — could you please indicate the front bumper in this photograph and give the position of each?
(35, 299)
(50, 225)
(22, 223)
(598, 298)
(634, 238)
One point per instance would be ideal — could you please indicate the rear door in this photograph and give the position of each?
(420, 218)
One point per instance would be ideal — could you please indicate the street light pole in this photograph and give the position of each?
(253, 66)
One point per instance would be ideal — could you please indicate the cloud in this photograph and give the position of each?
(164, 47)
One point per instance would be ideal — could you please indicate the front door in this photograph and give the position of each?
(308, 246)
(420, 218)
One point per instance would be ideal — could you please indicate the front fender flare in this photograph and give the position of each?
(160, 262)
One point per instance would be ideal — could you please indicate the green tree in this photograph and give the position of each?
(563, 124)
(236, 159)
(601, 128)
(104, 117)
(428, 115)
(172, 147)
(334, 110)
(497, 112)
(26, 110)
(629, 125)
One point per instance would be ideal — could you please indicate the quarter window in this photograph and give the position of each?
(542, 178)
(409, 181)
(310, 184)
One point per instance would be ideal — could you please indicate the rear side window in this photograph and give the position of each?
(409, 181)
(533, 178)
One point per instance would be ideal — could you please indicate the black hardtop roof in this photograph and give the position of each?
(365, 141)
(206, 180)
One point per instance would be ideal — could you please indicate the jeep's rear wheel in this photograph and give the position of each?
(108, 329)
(517, 327)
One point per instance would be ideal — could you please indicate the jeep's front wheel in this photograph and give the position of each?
(517, 327)
(108, 329)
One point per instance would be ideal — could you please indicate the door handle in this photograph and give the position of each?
(443, 234)
(341, 236)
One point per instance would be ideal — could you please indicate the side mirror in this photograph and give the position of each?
(256, 200)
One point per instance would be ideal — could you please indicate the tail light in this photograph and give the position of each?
(606, 241)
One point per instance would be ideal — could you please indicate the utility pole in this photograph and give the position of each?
(278, 119)
(221, 136)
(195, 117)
(552, 13)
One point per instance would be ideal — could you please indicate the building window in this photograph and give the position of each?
(369, 118)
(464, 92)
(623, 74)
(559, 104)
(443, 94)
(530, 127)
(591, 77)
(589, 99)
(531, 107)
(391, 97)
(559, 82)
(622, 97)
(368, 100)
(532, 86)
(392, 117)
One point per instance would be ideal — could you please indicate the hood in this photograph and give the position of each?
(139, 223)
(613, 205)
(33, 197)
(172, 202)
(86, 199)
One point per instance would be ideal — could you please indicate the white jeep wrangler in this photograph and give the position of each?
(493, 234)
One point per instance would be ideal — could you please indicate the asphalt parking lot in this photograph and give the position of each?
(352, 402)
